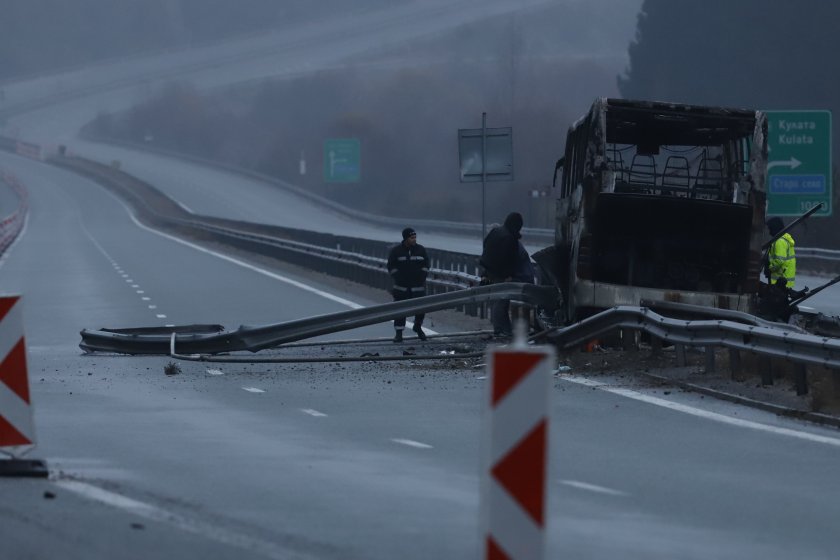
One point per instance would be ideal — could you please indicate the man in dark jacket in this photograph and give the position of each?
(408, 265)
(499, 263)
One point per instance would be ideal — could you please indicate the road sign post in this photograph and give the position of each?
(486, 154)
(799, 162)
(342, 160)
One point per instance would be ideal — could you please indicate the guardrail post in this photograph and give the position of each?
(628, 340)
(710, 359)
(765, 366)
(734, 364)
(655, 346)
(679, 351)
(800, 378)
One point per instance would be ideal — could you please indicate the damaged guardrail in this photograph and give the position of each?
(208, 340)
(766, 340)
(769, 341)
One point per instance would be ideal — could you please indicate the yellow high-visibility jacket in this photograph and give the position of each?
(782, 260)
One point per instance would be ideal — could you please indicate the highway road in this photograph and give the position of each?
(339, 460)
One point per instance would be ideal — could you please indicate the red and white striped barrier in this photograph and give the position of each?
(28, 149)
(17, 431)
(11, 225)
(515, 453)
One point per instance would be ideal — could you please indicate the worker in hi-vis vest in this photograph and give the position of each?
(781, 256)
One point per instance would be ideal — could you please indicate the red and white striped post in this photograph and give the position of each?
(515, 452)
(17, 429)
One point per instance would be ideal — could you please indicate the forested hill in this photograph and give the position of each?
(45, 35)
(763, 54)
(760, 54)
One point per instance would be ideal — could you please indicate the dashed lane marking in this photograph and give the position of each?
(411, 443)
(120, 271)
(252, 390)
(593, 488)
(312, 412)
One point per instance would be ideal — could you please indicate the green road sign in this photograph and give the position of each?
(342, 160)
(798, 162)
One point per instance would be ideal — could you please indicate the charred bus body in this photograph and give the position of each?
(659, 201)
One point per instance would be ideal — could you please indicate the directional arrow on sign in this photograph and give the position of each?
(793, 163)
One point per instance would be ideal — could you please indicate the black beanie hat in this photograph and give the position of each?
(775, 225)
(514, 222)
(408, 232)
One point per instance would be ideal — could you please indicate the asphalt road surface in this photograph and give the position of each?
(355, 460)
(336, 460)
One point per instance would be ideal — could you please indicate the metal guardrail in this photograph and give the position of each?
(682, 310)
(12, 225)
(9, 144)
(763, 340)
(254, 339)
(535, 234)
(358, 260)
(816, 253)
(439, 279)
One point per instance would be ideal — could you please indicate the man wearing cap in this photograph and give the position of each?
(408, 266)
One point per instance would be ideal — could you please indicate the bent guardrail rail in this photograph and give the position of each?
(764, 340)
(157, 340)
(691, 310)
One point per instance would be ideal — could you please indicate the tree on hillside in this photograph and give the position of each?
(753, 53)
(762, 54)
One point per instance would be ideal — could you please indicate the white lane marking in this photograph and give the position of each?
(312, 412)
(203, 529)
(153, 307)
(146, 298)
(129, 281)
(160, 316)
(593, 487)
(135, 285)
(411, 443)
(215, 372)
(295, 283)
(252, 390)
(702, 413)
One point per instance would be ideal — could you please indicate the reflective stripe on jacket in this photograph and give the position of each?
(782, 260)
(408, 267)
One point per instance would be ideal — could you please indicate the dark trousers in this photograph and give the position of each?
(399, 322)
(500, 316)
(500, 311)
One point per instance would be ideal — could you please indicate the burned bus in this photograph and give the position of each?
(659, 201)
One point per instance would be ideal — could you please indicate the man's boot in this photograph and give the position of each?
(420, 334)
(398, 337)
